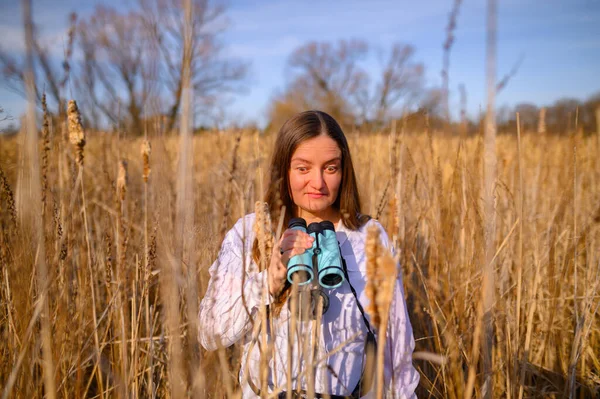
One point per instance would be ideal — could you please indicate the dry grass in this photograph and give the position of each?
(111, 252)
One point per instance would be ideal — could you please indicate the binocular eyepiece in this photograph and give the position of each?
(323, 258)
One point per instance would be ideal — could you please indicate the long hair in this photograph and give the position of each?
(299, 128)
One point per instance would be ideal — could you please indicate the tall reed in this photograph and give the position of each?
(548, 225)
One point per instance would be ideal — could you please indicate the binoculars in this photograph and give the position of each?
(323, 259)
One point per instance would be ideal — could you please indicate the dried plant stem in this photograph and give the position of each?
(12, 378)
(488, 286)
(92, 279)
(315, 336)
(291, 332)
(382, 328)
(446, 59)
(10, 199)
(45, 150)
(529, 328)
(31, 214)
(521, 198)
(145, 297)
(578, 321)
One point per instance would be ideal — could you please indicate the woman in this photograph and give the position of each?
(312, 175)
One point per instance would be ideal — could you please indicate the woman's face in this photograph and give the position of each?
(315, 175)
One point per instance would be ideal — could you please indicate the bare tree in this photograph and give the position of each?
(50, 77)
(212, 74)
(4, 116)
(401, 78)
(528, 115)
(561, 115)
(329, 76)
(431, 101)
(131, 64)
(325, 76)
(116, 73)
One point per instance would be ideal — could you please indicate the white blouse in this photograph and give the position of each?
(225, 320)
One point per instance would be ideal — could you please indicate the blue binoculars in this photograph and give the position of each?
(322, 259)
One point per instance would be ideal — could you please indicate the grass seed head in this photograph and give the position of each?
(381, 276)
(122, 180)
(146, 150)
(373, 249)
(76, 133)
(264, 231)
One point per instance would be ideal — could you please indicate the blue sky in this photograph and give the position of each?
(559, 40)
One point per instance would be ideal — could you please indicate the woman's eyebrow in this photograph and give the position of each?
(336, 159)
(301, 160)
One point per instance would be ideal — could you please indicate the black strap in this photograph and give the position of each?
(366, 381)
(362, 310)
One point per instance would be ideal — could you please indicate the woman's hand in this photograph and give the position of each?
(293, 242)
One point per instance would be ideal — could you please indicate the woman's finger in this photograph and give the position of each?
(290, 240)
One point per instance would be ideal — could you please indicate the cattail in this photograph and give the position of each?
(372, 249)
(542, 121)
(10, 198)
(45, 150)
(386, 275)
(381, 276)
(122, 180)
(264, 232)
(381, 281)
(146, 150)
(76, 133)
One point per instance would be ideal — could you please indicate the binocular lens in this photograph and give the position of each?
(300, 274)
(331, 274)
(300, 266)
(331, 280)
(323, 257)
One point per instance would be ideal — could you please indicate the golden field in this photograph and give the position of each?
(123, 290)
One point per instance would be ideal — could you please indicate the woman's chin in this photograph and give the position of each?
(316, 209)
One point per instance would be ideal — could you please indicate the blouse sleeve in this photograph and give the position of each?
(224, 317)
(400, 374)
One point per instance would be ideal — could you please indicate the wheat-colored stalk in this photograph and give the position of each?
(263, 229)
(380, 285)
(441, 266)
(542, 121)
(10, 198)
(372, 251)
(122, 179)
(45, 150)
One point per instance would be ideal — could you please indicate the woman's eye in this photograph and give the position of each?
(332, 168)
(301, 169)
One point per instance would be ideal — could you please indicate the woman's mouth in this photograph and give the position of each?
(316, 195)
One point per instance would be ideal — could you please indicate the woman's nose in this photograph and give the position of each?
(316, 180)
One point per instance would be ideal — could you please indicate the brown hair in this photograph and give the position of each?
(299, 128)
